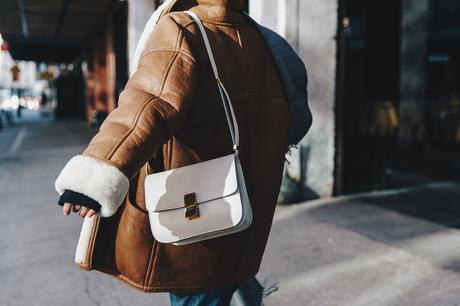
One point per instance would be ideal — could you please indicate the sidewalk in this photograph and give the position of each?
(390, 248)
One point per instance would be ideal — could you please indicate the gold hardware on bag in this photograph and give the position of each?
(191, 206)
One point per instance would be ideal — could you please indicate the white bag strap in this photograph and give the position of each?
(229, 112)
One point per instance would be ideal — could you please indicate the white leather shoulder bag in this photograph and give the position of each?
(203, 200)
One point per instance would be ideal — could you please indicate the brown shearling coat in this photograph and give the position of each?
(170, 115)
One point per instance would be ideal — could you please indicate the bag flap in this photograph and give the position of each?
(209, 180)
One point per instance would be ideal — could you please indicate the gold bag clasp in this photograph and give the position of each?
(191, 206)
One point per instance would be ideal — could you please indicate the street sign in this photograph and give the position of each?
(15, 71)
(46, 75)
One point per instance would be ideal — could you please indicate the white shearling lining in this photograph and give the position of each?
(148, 29)
(96, 179)
(83, 241)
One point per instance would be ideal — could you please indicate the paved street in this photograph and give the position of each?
(396, 247)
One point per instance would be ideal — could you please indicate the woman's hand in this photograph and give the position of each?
(83, 211)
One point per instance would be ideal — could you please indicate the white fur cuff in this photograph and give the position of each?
(96, 179)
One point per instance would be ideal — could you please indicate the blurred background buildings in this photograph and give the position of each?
(384, 92)
(383, 86)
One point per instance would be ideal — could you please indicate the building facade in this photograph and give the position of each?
(374, 90)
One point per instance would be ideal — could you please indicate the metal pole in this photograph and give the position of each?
(22, 17)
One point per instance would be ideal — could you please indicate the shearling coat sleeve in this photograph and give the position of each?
(152, 107)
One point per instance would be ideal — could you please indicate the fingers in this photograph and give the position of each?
(86, 212)
(90, 213)
(83, 211)
(66, 209)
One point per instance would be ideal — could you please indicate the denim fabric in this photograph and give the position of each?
(215, 297)
(294, 78)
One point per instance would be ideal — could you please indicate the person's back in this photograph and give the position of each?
(171, 115)
(252, 80)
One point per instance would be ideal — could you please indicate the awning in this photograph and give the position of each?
(51, 30)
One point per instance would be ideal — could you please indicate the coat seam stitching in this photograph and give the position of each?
(172, 50)
(112, 152)
(170, 150)
(90, 250)
(154, 249)
(149, 267)
(142, 287)
(240, 43)
(180, 35)
(165, 77)
(111, 162)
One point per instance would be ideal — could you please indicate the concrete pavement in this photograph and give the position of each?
(37, 242)
(397, 247)
(369, 249)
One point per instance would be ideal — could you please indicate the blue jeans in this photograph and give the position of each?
(215, 297)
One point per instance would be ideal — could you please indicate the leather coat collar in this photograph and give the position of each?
(229, 4)
(211, 10)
